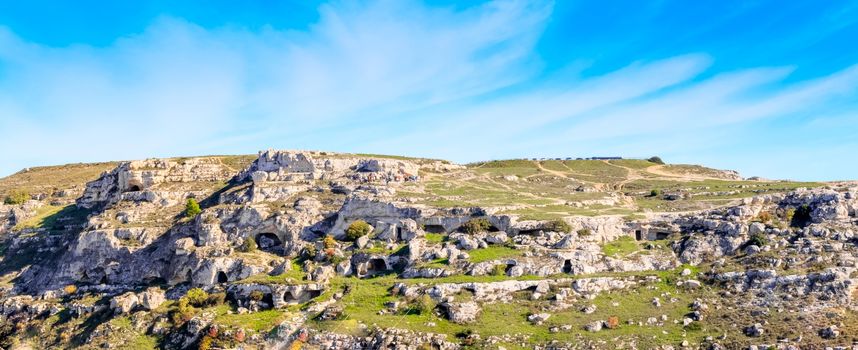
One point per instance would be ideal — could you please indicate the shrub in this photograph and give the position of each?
(240, 335)
(655, 159)
(357, 230)
(789, 214)
(196, 297)
(335, 259)
(256, 295)
(206, 343)
(559, 226)
(213, 331)
(499, 270)
(764, 216)
(476, 226)
(184, 312)
(249, 245)
(424, 304)
(758, 240)
(309, 251)
(585, 232)
(613, 322)
(654, 193)
(329, 242)
(70, 289)
(16, 197)
(694, 327)
(192, 208)
(215, 299)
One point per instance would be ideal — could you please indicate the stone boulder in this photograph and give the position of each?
(461, 313)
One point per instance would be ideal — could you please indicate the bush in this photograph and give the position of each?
(216, 299)
(184, 312)
(192, 208)
(655, 159)
(424, 304)
(256, 295)
(329, 242)
(196, 297)
(70, 289)
(585, 232)
(499, 270)
(249, 245)
(239, 335)
(654, 193)
(206, 343)
(789, 214)
(758, 240)
(309, 251)
(764, 217)
(16, 197)
(476, 226)
(357, 230)
(559, 226)
(613, 322)
(694, 327)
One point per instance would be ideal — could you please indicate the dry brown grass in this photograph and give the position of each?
(48, 179)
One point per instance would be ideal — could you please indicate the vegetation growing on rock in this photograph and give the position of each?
(357, 229)
(514, 253)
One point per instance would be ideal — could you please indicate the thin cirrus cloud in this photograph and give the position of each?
(396, 77)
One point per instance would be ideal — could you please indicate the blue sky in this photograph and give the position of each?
(763, 87)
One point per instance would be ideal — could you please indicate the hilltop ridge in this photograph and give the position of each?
(336, 250)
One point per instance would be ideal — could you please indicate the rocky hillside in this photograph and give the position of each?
(320, 250)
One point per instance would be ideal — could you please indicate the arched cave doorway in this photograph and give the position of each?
(269, 242)
(222, 277)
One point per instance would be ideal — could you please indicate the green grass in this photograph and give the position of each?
(367, 298)
(493, 253)
(638, 164)
(261, 321)
(550, 212)
(295, 275)
(621, 247)
(45, 217)
(436, 238)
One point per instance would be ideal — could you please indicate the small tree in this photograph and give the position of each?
(192, 208)
(329, 242)
(476, 226)
(654, 193)
(197, 297)
(70, 289)
(499, 270)
(256, 295)
(357, 230)
(559, 226)
(655, 159)
(249, 245)
(16, 197)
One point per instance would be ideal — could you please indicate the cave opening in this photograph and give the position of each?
(269, 242)
(434, 229)
(567, 266)
(222, 277)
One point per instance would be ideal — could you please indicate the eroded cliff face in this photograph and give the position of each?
(274, 241)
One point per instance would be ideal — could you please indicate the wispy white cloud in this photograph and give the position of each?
(388, 77)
